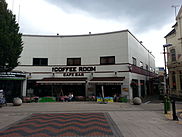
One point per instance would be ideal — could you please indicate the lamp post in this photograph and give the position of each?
(166, 96)
(165, 72)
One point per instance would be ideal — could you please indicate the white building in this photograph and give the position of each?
(82, 64)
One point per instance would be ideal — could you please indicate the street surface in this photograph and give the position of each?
(146, 120)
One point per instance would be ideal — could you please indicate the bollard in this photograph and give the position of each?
(174, 109)
(165, 104)
(168, 104)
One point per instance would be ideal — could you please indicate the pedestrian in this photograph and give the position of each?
(114, 97)
(70, 96)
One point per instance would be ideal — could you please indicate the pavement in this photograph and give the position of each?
(122, 120)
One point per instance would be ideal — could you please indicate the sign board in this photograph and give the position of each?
(106, 99)
(73, 71)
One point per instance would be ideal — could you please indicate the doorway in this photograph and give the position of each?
(134, 85)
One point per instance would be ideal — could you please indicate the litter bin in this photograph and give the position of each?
(167, 103)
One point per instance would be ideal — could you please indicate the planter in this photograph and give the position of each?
(137, 101)
(17, 101)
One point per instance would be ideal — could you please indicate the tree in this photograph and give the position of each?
(10, 39)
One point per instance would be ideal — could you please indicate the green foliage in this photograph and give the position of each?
(10, 39)
(123, 99)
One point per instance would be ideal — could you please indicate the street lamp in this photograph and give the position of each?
(166, 105)
(165, 72)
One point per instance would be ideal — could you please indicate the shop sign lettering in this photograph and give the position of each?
(73, 74)
(73, 71)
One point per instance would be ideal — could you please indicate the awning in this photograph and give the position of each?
(62, 81)
(107, 80)
(12, 76)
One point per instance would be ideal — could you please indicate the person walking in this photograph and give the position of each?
(70, 96)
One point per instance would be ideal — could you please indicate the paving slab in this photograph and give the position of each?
(63, 124)
(146, 120)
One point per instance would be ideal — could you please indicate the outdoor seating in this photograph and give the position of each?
(2, 98)
(79, 98)
(30, 99)
(63, 98)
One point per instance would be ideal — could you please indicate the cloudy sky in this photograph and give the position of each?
(148, 20)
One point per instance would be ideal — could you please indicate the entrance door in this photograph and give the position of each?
(134, 85)
(77, 90)
(142, 87)
(109, 90)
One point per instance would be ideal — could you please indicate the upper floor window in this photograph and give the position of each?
(173, 54)
(73, 61)
(180, 78)
(173, 80)
(107, 60)
(151, 69)
(134, 61)
(40, 61)
(147, 67)
(141, 64)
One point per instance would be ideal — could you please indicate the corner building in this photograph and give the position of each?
(174, 57)
(84, 64)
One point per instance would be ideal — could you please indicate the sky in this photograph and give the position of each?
(148, 20)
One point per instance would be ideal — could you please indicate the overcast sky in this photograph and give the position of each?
(148, 20)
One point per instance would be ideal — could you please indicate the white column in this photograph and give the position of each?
(24, 87)
(86, 89)
(139, 88)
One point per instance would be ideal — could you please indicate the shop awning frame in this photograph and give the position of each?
(60, 81)
(107, 80)
(78, 81)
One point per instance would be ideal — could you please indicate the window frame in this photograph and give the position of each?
(173, 54)
(174, 80)
(141, 64)
(180, 78)
(147, 67)
(107, 62)
(39, 62)
(74, 62)
(134, 61)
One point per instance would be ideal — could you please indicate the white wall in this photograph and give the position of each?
(89, 47)
(138, 51)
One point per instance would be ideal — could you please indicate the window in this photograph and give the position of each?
(40, 61)
(173, 80)
(134, 61)
(107, 60)
(147, 67)
(141, 64)
(73, 61)
(180, 77)
(151, 68)
(173, 54)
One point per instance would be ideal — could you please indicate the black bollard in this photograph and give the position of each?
(165, 104)
(174, 109)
